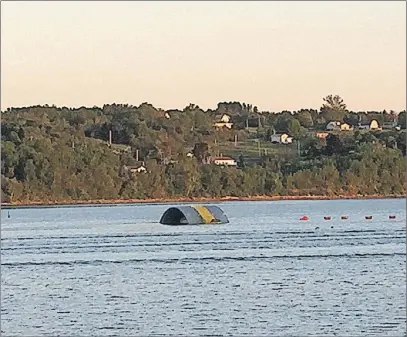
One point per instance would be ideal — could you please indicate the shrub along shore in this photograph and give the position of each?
(117, 202)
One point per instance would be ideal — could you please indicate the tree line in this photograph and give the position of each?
(63, 154)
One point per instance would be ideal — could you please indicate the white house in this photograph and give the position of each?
(333, 125)
(225, 118)
(223, 161)
(338, 126)
(281, 138)
(346, 127)
(137, 169)
(372, 125)
(389, 125)
(167, 115)
(321, 135)
(223, 121)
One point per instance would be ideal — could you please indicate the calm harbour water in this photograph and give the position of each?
(92, 271)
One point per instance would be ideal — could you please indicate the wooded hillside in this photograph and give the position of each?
(64, 154)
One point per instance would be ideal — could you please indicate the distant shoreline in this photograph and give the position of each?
(120, 202)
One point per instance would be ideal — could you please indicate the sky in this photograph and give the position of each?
(274, 55)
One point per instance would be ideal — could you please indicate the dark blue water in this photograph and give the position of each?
(116, 271)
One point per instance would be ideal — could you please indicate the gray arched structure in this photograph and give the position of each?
(193, 215)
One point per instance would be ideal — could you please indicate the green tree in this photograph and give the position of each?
(401, 120)
(201, 152)
(294, 128)
(333, 108)
(305, 118)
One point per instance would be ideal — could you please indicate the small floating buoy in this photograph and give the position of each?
(332, 226)
(392, 216)
(304, 218)
(8, 215)
(344, 217)
(327, 218)
(368, 217)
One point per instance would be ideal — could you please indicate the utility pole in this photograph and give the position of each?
(216, 148)
(258, 142)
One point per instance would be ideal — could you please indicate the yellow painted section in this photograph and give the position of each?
(205, 214)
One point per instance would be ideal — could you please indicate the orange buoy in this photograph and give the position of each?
(368, 217)
(304, 218)
(344, 217)
(327, 218)
(392, 216)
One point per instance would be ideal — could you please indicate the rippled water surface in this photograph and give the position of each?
(116, 271)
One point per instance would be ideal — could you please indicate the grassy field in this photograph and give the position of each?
(117, 147)
(250, 149)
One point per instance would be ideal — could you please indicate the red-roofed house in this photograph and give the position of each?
(223, 161)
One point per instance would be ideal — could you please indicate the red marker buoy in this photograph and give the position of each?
(304, 218)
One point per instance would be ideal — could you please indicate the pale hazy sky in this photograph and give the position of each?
(276, 55)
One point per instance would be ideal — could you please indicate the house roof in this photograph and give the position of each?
(222, 158)
(218, 117)
(369, 122)
(132, 167)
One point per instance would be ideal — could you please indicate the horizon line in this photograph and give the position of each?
(77, 107)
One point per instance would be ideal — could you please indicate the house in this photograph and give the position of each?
(390, 125)
(223, 121)
(372, 125)
(136, 169)
(225, 118)
(338, 126)
(119, 148)
(281, 138)
(223, 161)
(322, 135)
(346, 127)
(168, 161)
(190, 154)
(333, 125)
(167, 115)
